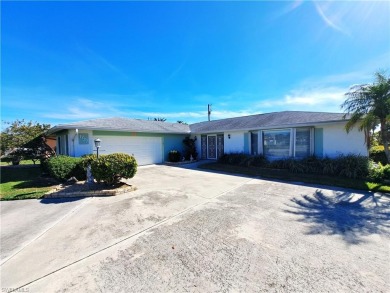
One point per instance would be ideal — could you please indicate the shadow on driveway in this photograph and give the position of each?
(59, 200)
(343, 214)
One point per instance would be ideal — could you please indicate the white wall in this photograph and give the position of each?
(75, 148)
(337, 141)
(233, 145)
(236, 142)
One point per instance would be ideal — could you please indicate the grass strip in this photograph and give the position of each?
(23, 183)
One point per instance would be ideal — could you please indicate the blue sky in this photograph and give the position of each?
(68, 61)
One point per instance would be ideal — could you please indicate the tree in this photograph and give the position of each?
(368, 105)
(160, 119)
(190, 148)
(181, 122)
(15, 138)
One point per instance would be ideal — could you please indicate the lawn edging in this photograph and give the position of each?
(285, 175)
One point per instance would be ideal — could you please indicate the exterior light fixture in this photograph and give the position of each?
(229, 136)
(97, 145)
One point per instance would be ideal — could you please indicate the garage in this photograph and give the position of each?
(146, 150)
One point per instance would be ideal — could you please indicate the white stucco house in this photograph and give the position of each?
(276, 135)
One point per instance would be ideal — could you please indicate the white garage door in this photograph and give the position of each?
(146, 150)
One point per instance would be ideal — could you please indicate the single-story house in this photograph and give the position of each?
(294, 134)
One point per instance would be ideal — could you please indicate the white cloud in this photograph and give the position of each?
(327, 99)
(83, 108)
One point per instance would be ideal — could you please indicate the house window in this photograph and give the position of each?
(276, 143)
(302, 142)
(281, 143)
(254, 143)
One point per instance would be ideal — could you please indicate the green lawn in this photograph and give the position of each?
(23, 162)
(306, 178)
(23, 183)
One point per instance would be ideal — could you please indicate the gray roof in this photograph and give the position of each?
(252, 122)
(267, 120)
(125, 124)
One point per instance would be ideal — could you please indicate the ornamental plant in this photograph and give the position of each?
(174, 156)
(64, 167)
(110, 169)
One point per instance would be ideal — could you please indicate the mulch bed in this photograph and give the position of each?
(83, 189)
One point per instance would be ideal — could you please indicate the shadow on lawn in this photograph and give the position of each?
(36, 183)
(344, 214)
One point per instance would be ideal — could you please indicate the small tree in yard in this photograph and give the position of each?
(369, 104)
(24, 139)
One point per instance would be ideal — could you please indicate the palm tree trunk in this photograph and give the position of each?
(385, 139)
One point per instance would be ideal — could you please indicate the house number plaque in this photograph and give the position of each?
(83, 138)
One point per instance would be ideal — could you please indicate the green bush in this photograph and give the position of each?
(377, 154)
(234, 159)
(112, 168)
(64, 167)
(190, 148)
(174, 156)
(386, 172)
(375, 172)
(350, 166)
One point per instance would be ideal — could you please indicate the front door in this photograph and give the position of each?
(211, 146)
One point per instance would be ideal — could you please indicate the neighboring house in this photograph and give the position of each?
(276, 135)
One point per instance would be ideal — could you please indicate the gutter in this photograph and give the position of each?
(311, 124)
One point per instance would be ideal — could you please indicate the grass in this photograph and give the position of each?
(23, 183)
(23, 162)
(306, 178)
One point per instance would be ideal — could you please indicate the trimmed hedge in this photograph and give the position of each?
(64, 167)
(350, 166)
(112, 168)
(174, 156)
(377, 154)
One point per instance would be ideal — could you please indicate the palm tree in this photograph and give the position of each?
(369, 104)
(160, 119)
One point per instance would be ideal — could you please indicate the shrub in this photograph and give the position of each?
(377, 154)
(64, 167)
(352, 166)
(112, 168)
(190, 148)
(87, 160)
(174, 156)
(386, 172)
(234, 159)
(259, 161)
(375, 172)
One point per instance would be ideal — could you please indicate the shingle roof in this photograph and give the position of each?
(252, 122)
(125, 124)
(268, 120)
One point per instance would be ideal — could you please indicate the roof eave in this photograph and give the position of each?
(59, 128)
(272, 127)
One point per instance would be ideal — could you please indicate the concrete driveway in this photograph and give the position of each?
(189, 230)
